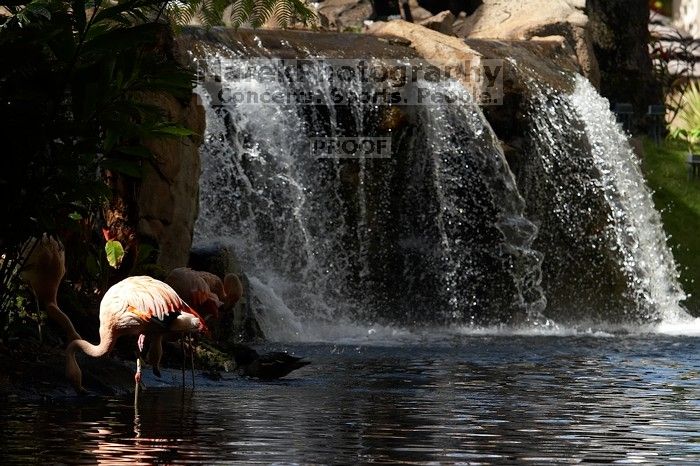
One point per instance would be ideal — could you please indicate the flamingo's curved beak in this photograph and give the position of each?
(203, 328)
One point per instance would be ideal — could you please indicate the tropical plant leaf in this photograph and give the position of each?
(686, 125)
(115, 253)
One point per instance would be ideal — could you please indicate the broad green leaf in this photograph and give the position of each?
(115, 253)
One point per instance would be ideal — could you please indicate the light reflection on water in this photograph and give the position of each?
(482, 399)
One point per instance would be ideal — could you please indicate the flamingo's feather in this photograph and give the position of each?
(146, 299)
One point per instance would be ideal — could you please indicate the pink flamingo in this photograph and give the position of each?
(134, 306)
(195, 290)
(215, 284)
(229, 291)
(233, 289)
(205, 291)
(43, 271)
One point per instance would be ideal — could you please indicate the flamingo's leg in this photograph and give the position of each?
(155, 353)
(38, 318)
(139, 345)
(182, 345)
(192, 357)
(137, 377)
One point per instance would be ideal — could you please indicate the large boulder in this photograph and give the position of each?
(518, 20)
(486, 68)
(215, 257)
(437, 48)
(441, 22)
(168, 193)
(344, 14)
(508, 19)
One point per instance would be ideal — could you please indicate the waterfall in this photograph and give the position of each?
(608, 257)
(433, 234)
(440, 232)
(639, 233)
(468, 158)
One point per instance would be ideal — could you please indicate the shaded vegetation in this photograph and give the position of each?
(75, 85)
(73, 102)
(678, 198)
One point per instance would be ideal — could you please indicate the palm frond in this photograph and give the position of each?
(240, 12)
(262, 11)
(288, 11)
(689, 113)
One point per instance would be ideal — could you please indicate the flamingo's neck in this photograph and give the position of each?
(47, 294)
(107, 339)
(233, 289)
(55, 313)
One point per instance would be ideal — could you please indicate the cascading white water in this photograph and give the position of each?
(639, 233)
(364, 240)
(586, 185)
(438, 234)
(460, 138)
(254, 195)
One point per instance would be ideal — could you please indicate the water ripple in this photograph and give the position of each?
(481, 401)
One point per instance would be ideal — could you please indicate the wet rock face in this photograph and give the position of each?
(214, 257)
(168, 193)
(535, 71)
(578, 260)
(613, 36)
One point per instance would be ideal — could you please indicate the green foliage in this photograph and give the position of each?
(673, 67)
(115, 253)
(678, 199)
(687, 125)
(75, 81)
(691, 137)
(71, 87)
(239, 12)
(689, 113)
(71, 76)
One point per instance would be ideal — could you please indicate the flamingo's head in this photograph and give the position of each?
(203, 328)
(200, 323)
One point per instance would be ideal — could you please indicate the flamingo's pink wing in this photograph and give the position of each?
(149, 298)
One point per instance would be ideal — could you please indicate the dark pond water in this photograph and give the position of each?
(486, 399)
